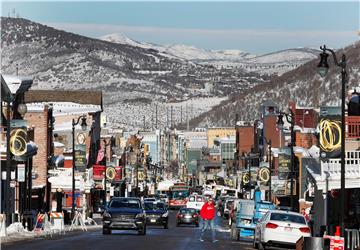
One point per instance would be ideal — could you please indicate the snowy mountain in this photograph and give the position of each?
(302, 85)
(131, 76)
(136, 77)
(272, 63)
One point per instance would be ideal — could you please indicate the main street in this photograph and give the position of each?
(183, 237)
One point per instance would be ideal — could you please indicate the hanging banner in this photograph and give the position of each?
(284, 163)
(80, 157)
(330, 132)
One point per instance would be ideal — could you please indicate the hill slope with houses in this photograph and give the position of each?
(302, 85)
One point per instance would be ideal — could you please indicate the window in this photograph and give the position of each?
(288, 218)
(124, 203)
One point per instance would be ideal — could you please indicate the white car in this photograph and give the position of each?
(195, 201)
(280, 228)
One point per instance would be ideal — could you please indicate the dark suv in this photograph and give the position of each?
(124, 214)
(156, 213)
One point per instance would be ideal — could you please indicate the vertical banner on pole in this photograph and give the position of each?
(330, 132)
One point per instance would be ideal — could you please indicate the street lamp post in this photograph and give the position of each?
(323, 67)
(83, 127)
(268, 142)
(105, 177)
(290, 117)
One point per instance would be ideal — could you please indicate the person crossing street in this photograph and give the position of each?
(207, 214)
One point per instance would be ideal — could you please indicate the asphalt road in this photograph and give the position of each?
(183, 237)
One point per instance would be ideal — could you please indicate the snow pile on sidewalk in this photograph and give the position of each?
(17, 229)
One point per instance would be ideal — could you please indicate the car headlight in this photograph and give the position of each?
(165, 214)
(106, 214)
(140, 216)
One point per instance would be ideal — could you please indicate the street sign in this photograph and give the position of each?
(21, 172)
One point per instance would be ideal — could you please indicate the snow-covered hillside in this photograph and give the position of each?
(272, 63)
(302, 85)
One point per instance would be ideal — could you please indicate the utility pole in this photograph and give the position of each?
(181, 115)
(171, 117)
(187, 117)
(156, 118)
(144, 123)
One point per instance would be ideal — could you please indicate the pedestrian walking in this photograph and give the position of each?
(207, 213)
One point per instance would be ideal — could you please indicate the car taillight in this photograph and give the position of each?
(179, 215)
(304, 229)
(271, 225)
(195, 215)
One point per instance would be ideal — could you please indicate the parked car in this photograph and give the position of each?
(187, 216)
(195, 201)
(156, 213)
(280, 228)
(124, 214)
(150, 199)
(164, 198)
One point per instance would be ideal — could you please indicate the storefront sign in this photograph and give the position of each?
(80, 157)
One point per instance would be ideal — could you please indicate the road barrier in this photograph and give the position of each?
(42, 225)
(57, 222)
(78, 221)
(3, 225)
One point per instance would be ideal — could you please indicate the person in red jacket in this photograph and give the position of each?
(207, 213)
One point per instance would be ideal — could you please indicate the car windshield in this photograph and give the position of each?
(129, 203)
(187, 210)
(288, 218)
(180, 194)
(154, 206)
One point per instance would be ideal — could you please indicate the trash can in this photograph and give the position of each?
(67, 219)
(316, 243)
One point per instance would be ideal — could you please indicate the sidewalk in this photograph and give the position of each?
(29, 236)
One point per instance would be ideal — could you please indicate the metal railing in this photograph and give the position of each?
(352, 239)
(353, 127)
(352, 164)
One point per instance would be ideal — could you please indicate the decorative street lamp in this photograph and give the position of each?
(83, 127)
(290, 117)
(111, 142)
(268, 142)
(323, 68)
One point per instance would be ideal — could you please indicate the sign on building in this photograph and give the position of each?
(330, 132)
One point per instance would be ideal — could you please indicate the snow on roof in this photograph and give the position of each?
(18, 84)
(65, 108)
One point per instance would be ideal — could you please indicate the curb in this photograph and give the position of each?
(11, 240)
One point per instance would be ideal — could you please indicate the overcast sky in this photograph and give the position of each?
(256, 27)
